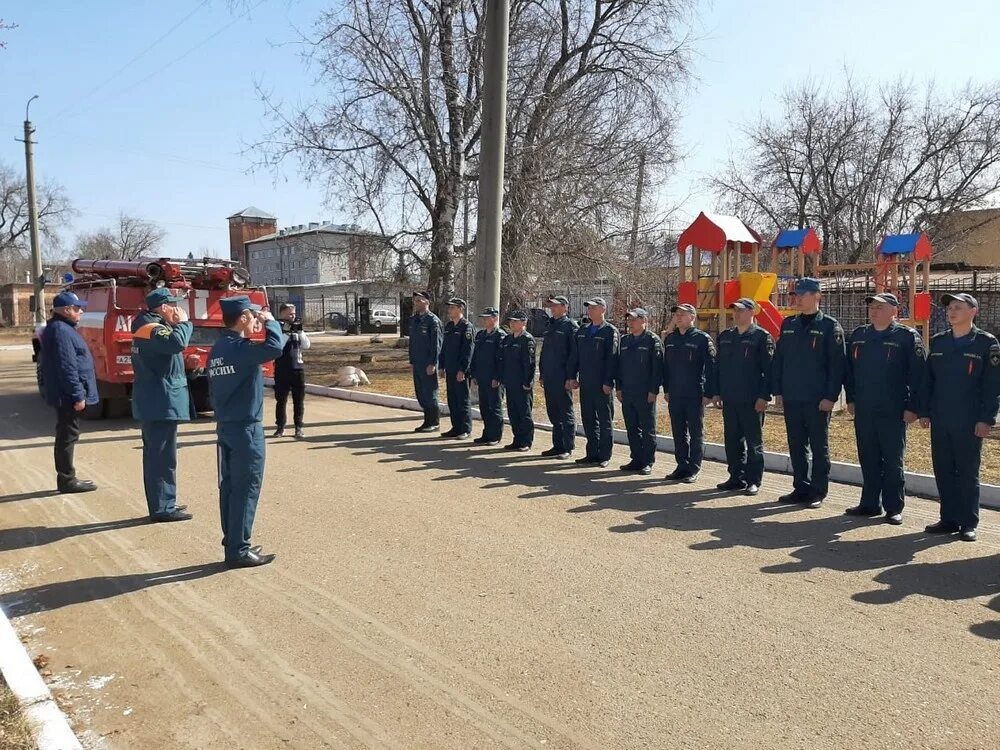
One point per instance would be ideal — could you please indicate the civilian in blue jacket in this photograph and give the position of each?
(160, 397)
(68, 384)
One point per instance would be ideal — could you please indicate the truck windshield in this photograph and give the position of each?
(204, 336)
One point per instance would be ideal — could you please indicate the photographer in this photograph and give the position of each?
(289, 372)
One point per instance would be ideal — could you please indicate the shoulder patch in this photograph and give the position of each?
(995, 355)
(838, 335)
(149, 330)
(770, 346)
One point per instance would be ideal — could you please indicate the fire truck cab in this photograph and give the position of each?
(115, 292)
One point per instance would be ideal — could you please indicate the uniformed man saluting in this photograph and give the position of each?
(236, 385)
(640, 373)
(743, 387)
(885, 369)
(160, 397)
(807, 375)
(961, 396)
(424, 350)
(688, 372)
(486, 373)
(591, 368)
(454, 364)
(517, 368)
(552, 370)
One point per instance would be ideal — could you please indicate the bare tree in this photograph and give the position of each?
(859, 163)
(54, 211)
(5, 26)
(131, 239)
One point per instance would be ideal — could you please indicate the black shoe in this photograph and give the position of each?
(279, 433)
(603, 464)
(860, 510)
(448, 434)
(731, 484)
(492, 442)
(646, 470)
(551, 452)
(252, 559)
(941, 527)
(523, 448)
(427, 428)
(480, 441)
(511, 447)
(795, 496)
(677, 473)
(176, 515)
(299, 434)
(587, 460)
(967, 534)
(563, 456)
(181, 508)
(75, 486)
(690, 478)
(751, 490)
(814, 501)
(460, 435)
(895, 519)
(630, 466)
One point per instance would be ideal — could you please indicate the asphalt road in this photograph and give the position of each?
(437, 595)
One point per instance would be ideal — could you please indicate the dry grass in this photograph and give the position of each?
(390, 374)
(14, 731)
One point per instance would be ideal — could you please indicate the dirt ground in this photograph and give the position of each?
(14, 731)
(390, 373)
(436, 595)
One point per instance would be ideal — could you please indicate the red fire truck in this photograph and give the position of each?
(115, 292)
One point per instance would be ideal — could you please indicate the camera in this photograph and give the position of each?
(292, 326)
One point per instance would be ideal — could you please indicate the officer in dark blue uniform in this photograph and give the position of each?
(688, 372)
(455, 363)
(883, 378)
(640, 374)
(425, 348)
(517, 367)
(743, 386)
(236, 386)
(486, 373)
(961, 396)
(807, 375)
(553, 370)
(160, 398)
(592, 366)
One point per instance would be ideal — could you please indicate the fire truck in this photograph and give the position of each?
(115, 292)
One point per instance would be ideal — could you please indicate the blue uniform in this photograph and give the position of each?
(425, 348)
(962, 387)
(593, 362)
(517, 367)
(640, 374)
(236, 384)
(456, 357)
(743, 375)
(160, 400)
(808, 367)
(883, 378)
(688, 373)
(553, 369)
(485, 369)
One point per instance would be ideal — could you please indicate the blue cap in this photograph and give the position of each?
(236, 305)
(744, 303)
(489, 312)
(517, 315)
(159, 297)
(67, 299)
(806, 285)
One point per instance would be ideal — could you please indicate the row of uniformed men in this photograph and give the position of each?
(889, 382)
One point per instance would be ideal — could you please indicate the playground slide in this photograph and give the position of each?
(769, 318)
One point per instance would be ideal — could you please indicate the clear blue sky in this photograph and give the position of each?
(162, 139)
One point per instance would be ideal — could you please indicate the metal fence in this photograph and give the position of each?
(331, 311)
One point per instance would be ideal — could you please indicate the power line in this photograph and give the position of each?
(154, 221)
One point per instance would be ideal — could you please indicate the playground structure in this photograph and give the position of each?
(901, 266)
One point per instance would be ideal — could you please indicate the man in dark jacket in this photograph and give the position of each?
(640, 373)
(160, 398)
(454, 363)
(592, 366)
(552, 370)
(486, 373)
(807, 376)
(743, 388)
(68, 384)
(289, 372)
(424, 349)
(688, 373)
(517, 374)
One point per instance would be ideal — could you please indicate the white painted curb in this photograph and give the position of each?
(47, 721)
(919, 485)
(15, 348)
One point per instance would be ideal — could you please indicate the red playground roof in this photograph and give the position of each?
(804, 240)
(714, 233)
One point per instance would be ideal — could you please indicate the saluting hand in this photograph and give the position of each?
(982, 430)
(180, 315)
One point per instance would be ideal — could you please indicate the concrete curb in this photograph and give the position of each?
(49, 724)
(918, 485)
(15, 348)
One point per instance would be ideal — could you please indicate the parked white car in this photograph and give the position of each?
(384, 318)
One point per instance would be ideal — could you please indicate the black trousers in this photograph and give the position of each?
(597, 410)
(881, 442)
(808, 431)
(559, 408)
(640, 424)
(426, 389)
(459, 403)
(743, 434)
(687, 423)
(956, 454)
(285, 382)
(67, 434)
(519, 403)
(490, 404)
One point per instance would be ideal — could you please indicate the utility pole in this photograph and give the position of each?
(36, 251)
(489, 222)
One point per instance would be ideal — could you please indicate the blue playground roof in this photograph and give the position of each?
(791, 237)
(899, 243)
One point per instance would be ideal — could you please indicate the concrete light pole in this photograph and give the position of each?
(36, 250)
